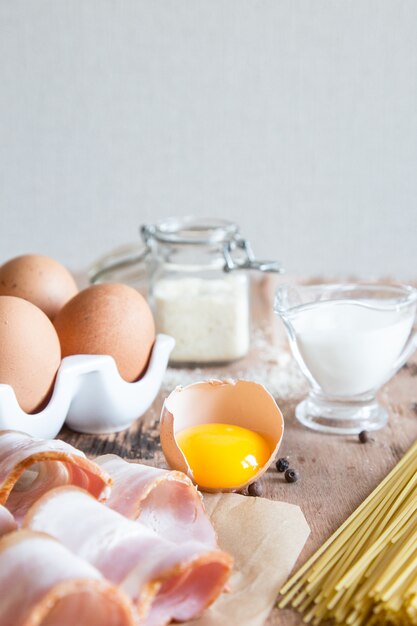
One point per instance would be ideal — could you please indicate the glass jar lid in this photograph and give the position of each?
(189, 230)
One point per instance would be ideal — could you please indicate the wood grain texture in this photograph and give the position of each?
(336, 473)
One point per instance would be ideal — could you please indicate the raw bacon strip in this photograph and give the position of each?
(51, 462)
(166, 501)
(166, 580)
(7, 521)
(44, 584)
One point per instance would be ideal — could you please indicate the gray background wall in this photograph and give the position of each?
(296, 118)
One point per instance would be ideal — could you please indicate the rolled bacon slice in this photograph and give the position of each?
(44, 584)
(166, 501)
(30, 467)
(7, 521)
(167, 581)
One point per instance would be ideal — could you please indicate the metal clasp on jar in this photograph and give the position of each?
(245, 258)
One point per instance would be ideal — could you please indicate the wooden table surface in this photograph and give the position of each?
(336, 472)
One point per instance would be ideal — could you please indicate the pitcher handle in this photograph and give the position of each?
(407, 351)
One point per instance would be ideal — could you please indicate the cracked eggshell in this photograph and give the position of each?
(240, 403)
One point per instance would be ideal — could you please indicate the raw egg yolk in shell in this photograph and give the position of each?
(223, 456)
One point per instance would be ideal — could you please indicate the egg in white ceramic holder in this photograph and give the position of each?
(242, 403)
(90, 396)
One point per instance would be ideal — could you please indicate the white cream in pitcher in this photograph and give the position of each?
(351, 348)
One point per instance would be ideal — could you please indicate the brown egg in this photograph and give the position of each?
(38, 279)
(30, 352)
(109, 319)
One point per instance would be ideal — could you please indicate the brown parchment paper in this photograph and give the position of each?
(265, 539)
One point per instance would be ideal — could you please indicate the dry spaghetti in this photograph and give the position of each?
(366, 572)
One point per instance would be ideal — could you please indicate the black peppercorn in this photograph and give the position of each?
(291, 476)
(282, 464)
(255, 489)
(363, 436)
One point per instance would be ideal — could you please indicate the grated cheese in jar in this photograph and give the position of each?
(208, 317)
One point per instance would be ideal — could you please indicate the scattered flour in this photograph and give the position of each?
(268, 364)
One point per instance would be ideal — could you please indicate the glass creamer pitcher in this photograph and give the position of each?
(348, 339)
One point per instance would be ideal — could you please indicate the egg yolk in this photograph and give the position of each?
(222, 456)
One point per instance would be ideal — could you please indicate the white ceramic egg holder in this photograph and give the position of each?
(90, 396)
